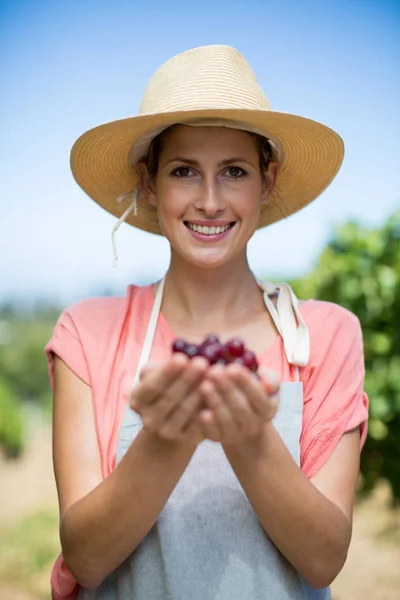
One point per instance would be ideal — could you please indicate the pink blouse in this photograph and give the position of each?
(100, 339)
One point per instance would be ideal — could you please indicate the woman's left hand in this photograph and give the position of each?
(237, 404)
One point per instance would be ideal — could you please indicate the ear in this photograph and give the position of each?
(270, 177)
(146, 184)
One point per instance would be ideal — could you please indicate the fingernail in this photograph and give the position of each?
(271, 380)
(272, 377)
(274, 399)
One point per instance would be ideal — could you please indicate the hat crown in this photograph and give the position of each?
(208, 77)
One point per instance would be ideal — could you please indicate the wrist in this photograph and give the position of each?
(165, 445)
(254, 445)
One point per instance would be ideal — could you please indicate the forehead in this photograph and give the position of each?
(188, 138)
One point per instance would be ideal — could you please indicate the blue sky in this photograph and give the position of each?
(67, 66)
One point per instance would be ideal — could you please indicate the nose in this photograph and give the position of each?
(210, 198)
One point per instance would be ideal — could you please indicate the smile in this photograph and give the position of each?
(212, 230)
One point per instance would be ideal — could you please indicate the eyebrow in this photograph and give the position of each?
(222, 163)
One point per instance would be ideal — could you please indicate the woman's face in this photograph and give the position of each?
(208, 192)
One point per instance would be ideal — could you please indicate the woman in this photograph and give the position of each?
(178, 479)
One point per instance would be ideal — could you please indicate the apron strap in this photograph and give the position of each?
(130, 417)
(289, 322)
(151, 329)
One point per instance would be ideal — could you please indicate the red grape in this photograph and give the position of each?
(234, 348)
(233, 351)
(179, 345)
(211, 339)
(250, 361)
(238, 361)
(213, 352)
(192, 350)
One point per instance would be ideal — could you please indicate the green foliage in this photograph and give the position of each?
(23, 374)
(22, 361)
(360, 270)
(11, 422)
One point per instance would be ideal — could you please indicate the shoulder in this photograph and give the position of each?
(100, 313)
(320, 314)
(92, 308)
(323, 314)
(87, 330)
(334, 330)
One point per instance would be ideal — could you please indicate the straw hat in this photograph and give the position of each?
(211, 85)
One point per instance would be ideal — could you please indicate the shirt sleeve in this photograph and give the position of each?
(334, 398)
(66, 342)
(63, 584)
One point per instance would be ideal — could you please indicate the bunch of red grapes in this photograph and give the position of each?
(217, 353)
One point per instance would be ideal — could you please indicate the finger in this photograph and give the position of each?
(176, 393)
(209, 426)
(269, 380)
(270, 383)
(177, 422)
(193, 431)
(221, 409)
(147, 369)
(233, 398)
(263, 403)
(145, 392)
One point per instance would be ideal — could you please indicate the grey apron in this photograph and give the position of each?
(208, 543)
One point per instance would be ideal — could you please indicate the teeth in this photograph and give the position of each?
(208, 230)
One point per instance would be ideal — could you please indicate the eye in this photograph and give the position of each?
(182, 172)
(235, 172)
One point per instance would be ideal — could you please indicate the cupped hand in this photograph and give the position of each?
(237, 404)
(168, 398)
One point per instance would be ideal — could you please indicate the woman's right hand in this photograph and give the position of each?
(167, 397)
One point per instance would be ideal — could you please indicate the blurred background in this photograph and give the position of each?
(67, 66)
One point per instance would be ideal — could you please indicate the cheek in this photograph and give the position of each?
(169, 212)
(248, 200)
(172, 200)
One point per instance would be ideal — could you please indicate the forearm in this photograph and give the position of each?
(102, 529)
(309, 530)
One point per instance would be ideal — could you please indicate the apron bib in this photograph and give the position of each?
(207, 543)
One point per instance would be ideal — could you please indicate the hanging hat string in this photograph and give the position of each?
(131, 208)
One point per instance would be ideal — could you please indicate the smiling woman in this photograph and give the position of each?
(178, 478)
(203, 178)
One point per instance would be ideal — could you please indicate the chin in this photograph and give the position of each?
(208, 264)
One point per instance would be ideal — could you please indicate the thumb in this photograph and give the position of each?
(270, 381)
(147, 369)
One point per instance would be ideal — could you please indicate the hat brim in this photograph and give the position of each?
(312, 155)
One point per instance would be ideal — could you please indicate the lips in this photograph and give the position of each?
(208, 229)
(209, 232)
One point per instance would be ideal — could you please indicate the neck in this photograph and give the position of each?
(231, 291)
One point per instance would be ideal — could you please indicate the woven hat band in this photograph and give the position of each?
(212, 77)
(141, 147)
